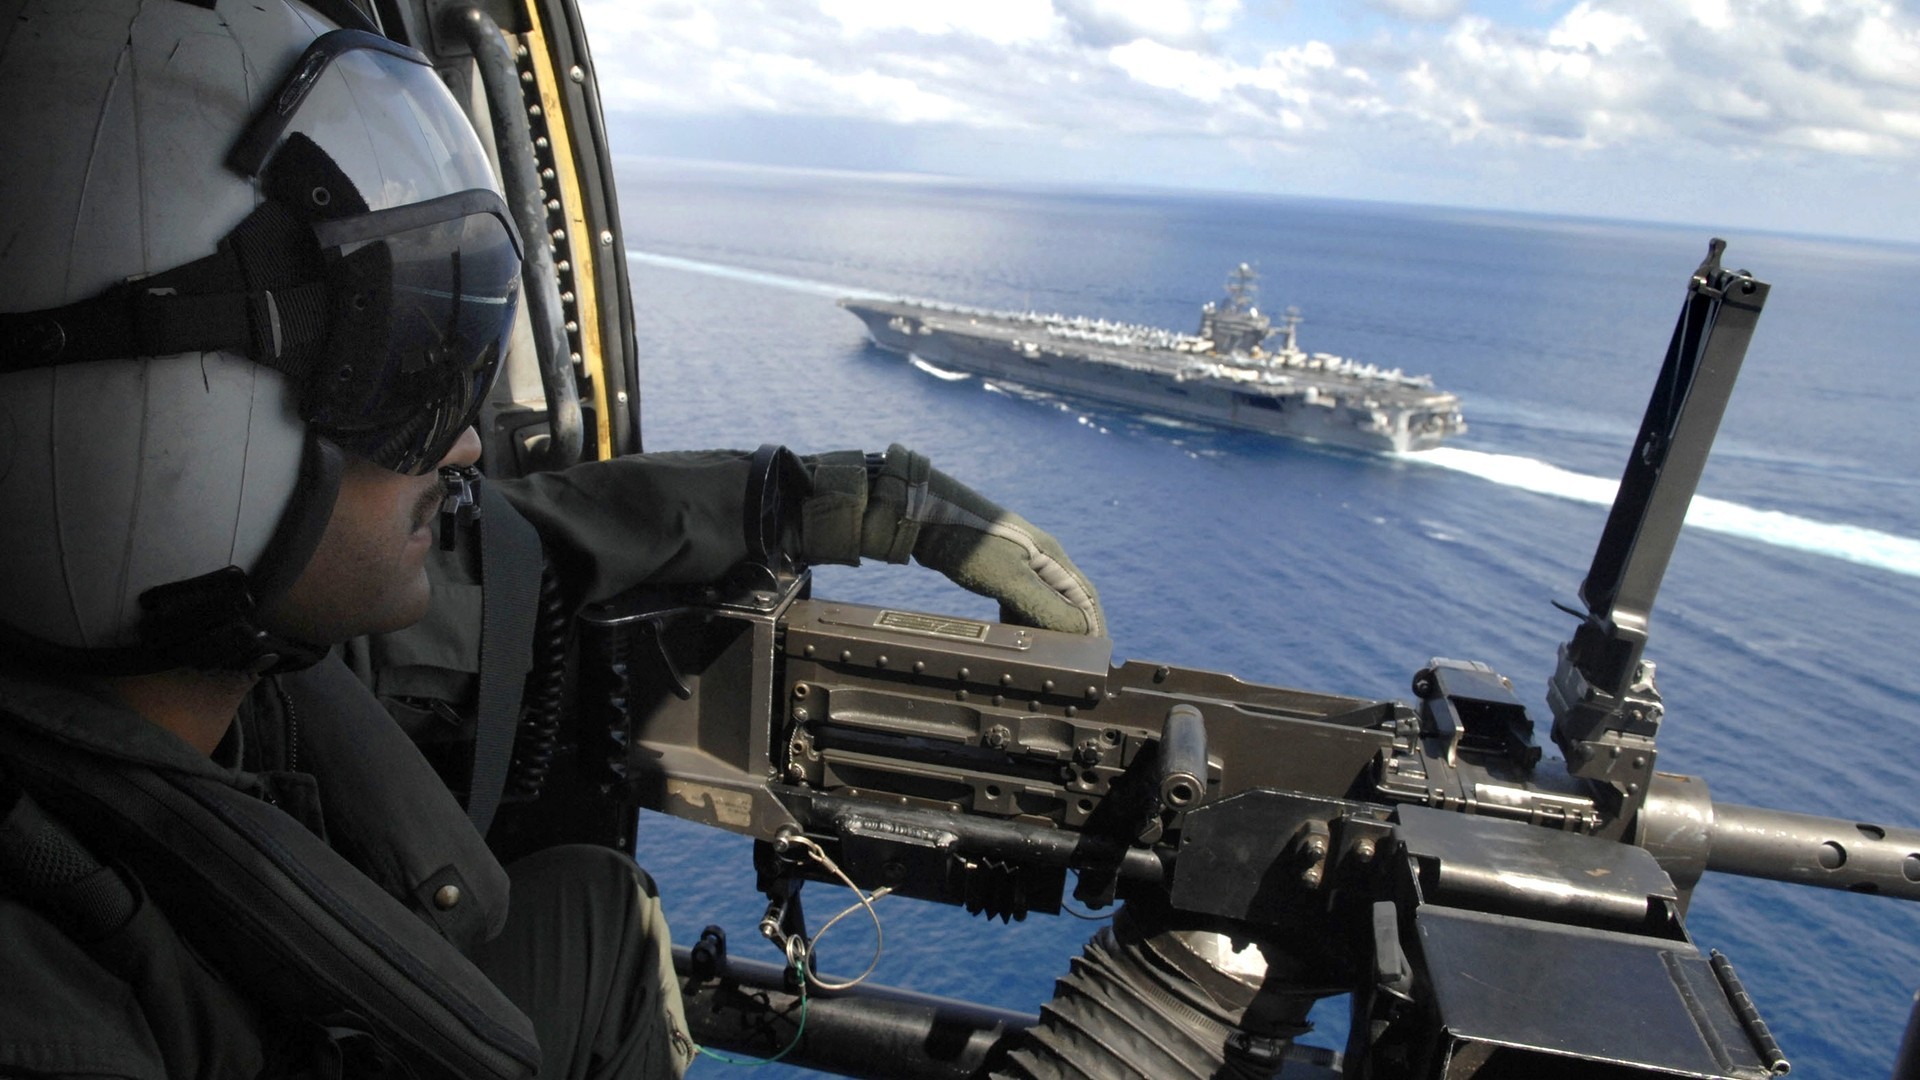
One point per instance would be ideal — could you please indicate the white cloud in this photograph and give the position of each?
(1168, 22)
(1601, 31)
(1003, 22)
(1746, 77)
(1741, 75)
(1420, 10)
(1180, 70)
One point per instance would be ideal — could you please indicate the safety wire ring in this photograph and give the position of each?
(799, 952)
(865, 900)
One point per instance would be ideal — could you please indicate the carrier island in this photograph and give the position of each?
(1232, 371)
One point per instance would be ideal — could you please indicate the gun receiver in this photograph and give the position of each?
(1424, 856)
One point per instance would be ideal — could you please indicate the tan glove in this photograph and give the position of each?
(899, 506)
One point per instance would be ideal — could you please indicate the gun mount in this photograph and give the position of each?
(1425, 857)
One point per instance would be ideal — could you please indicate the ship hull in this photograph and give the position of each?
(1299, 408)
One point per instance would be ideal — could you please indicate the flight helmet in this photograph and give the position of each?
(237, 243)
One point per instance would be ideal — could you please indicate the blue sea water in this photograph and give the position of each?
(1785, 633)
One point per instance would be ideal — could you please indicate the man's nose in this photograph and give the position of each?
(465, 451)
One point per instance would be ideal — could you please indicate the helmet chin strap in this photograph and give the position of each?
(207, 623)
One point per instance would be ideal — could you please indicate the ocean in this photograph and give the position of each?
(1785, 633)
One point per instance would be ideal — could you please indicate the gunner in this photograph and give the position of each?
(257, 282)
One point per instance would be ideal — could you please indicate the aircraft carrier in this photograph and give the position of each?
(1230, 372)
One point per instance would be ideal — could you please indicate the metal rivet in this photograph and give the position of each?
(606, 238)
(846, 656)
(45, 339)
(880, 661)
(621, 397)
(576, 73)
(446, 896)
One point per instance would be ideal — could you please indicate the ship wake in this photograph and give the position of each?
(937, 372)
(746, 276)
(1852, 543)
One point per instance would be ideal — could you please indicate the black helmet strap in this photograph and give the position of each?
(260, 294)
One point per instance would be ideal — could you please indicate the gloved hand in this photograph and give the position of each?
(899, 506)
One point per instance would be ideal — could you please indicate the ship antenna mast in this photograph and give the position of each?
(1242, 286)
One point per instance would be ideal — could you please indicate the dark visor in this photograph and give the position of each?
(424, 298)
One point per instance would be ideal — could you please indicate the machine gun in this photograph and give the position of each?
(1425, 856)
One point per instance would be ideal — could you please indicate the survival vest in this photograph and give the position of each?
(356, 934)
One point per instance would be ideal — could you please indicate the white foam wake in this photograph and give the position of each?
(938, 373)
(751, 277)
(1854, 543)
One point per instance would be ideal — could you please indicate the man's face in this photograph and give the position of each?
(368, 575)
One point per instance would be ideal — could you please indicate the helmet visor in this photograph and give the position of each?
(424, 298)
(423, 260)
(381, 114)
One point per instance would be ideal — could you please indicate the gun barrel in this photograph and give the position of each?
(1833, 853)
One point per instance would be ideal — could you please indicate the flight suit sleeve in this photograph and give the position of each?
(667, 518)
(606, 526)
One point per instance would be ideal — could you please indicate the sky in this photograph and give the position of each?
(1788, 115)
